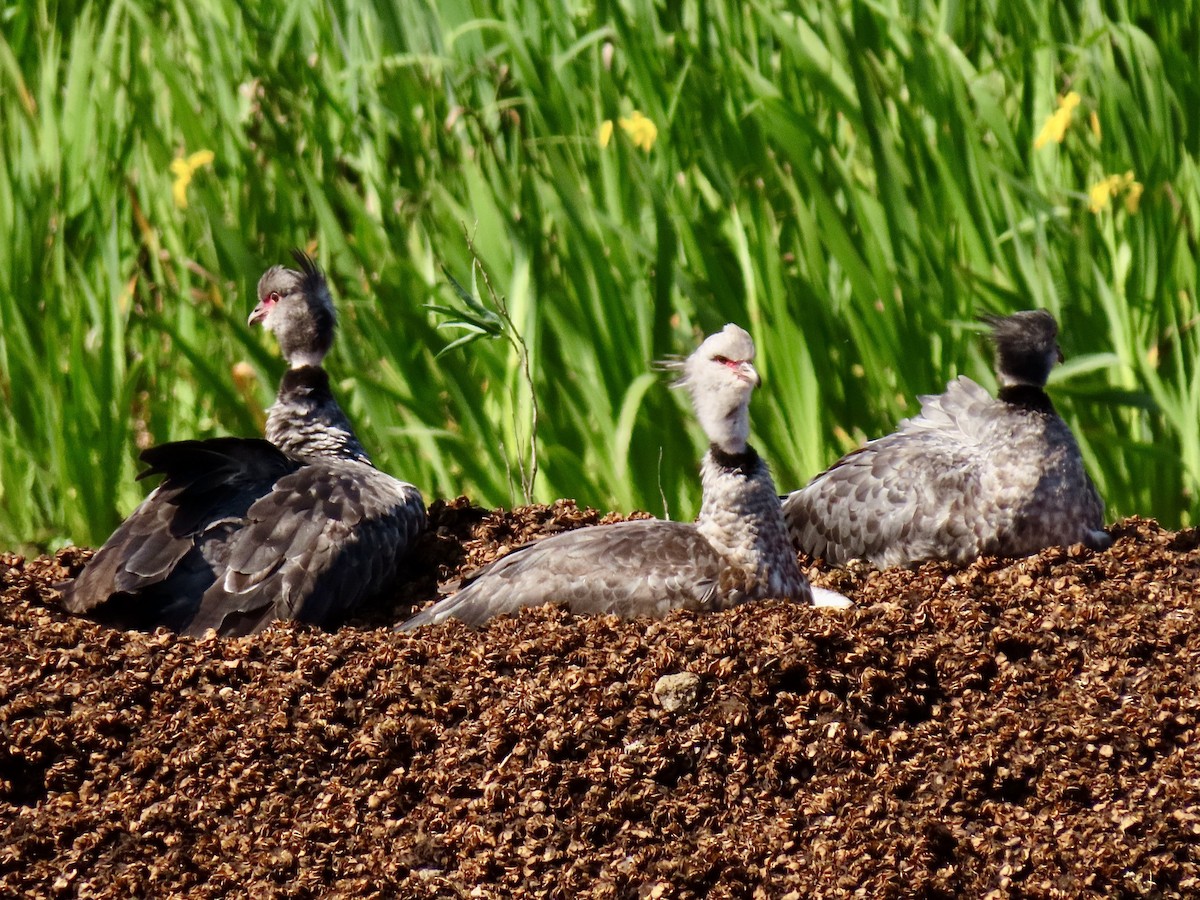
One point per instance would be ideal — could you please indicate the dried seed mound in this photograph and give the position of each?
(1022, 728)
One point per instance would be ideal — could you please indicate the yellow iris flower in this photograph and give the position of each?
(183, 169)
(1056, 125)
(1101, 193)
(641, 130)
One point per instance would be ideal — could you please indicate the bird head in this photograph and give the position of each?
(1026, 347)
(297, 308)
(720, 377)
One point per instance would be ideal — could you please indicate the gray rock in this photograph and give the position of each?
(680, 690)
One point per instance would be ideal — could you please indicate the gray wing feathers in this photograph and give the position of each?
(969, 476)
(207, 483)
(861, 508)
(905, 496)
(642, 568)
(960, 408)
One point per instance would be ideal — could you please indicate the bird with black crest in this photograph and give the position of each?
(971, 475)
(243, 532)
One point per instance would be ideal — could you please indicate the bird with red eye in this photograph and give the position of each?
(736, 550)
(742, 368)
(265, 305)
(243, 532)
(296, 307)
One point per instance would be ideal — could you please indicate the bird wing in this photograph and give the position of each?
(905, 497)
(319, 541)
(207, 485)
(640, 568)
(960, 413)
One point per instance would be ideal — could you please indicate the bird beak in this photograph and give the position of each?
(259, 313)
(748, 372)
(1060, 353)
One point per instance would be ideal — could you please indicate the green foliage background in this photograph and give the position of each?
(853, 182)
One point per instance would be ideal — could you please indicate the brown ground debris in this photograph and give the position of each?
(1016, 728)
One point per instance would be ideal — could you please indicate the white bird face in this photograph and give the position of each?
(720, 376)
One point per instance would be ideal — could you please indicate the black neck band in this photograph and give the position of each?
(304, 380)
(1027, 396)
(745, 462)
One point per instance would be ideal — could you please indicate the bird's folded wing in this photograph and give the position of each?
(206, 484)
(642, 568)
(321, 540)
(903, 497)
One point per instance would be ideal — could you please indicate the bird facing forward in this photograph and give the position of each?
(736, 550)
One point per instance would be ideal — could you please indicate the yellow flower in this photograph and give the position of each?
(640, 129)
(183, 169)
(1101, 193)
(1133, 197)
(1055, 128)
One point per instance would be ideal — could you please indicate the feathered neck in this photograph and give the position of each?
(306, 419)
(741, 517)
(723, 411)
(1026, 396)
(744, 463)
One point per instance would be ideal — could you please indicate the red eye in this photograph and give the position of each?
(726, 361)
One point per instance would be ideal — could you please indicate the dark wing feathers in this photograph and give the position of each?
(206, 482)
(368, 556)
(140, 552)
(208, 464)
(642, 568)
(324, 538)
(240, 534)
